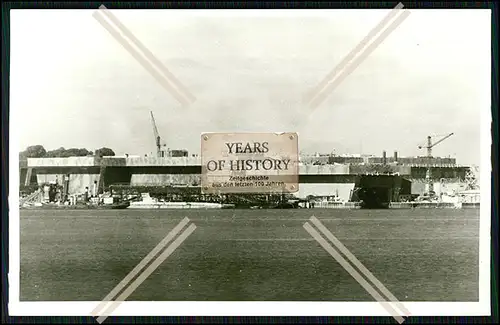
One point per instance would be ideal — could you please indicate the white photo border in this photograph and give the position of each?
(222, 308)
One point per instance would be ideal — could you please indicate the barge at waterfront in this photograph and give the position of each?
(56, 206)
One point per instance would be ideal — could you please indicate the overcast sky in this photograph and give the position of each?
(74, 85)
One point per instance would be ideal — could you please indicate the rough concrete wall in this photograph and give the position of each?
(48, 178)
(77, 182)
(22, 176)
(164, 179)
(404, 170)
(374, 168)
(312, 159)
(439, 172)
(168, 161)
(61, 162)
(324, 169)
(418, 187)
(109, 161)
(343, 190)
(449, 187)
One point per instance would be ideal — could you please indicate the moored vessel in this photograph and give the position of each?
(148, 202)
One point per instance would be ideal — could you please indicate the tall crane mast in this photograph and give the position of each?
(429, 146)
(159, 151)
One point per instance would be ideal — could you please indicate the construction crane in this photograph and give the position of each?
(158, 143)
(429, 146)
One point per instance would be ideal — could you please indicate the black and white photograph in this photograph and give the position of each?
(250, 162)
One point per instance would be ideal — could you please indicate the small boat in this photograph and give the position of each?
(54, 206)
(120, 205)
(148, 202)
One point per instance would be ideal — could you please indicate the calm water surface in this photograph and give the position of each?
(419, 255)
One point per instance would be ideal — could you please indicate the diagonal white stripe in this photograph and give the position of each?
(355, 274)
(147, 53)
(353, 64)
(353, 53)
(359, 265)
(162, 80)
(140, 266)
(141, 278)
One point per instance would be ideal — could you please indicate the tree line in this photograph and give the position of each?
(38, 151)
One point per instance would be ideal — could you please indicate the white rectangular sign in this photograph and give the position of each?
(249, 162)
